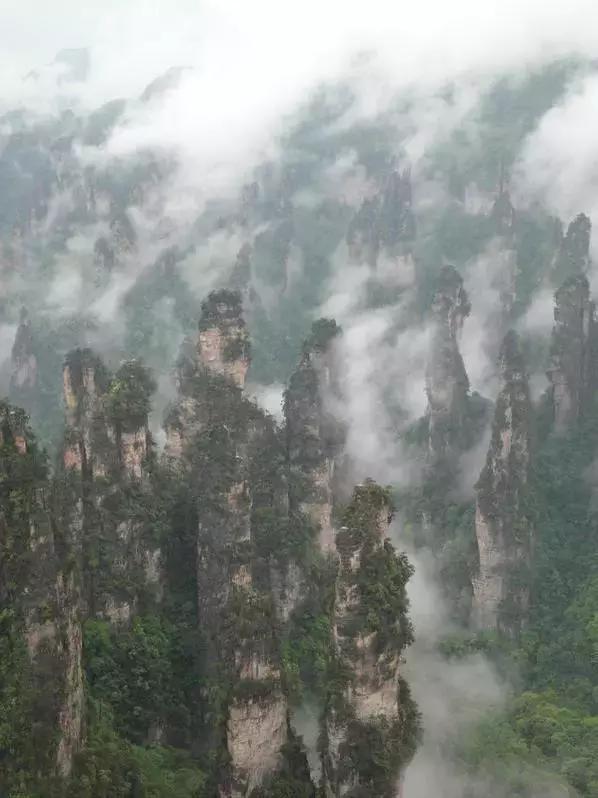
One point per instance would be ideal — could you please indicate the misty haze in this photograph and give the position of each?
(299, 399)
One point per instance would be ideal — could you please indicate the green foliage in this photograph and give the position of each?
(379, 577)
(322, 333)
(168, 772)
(306, 652)
(154, 673)
(384, 605)
(293, 780)
(220, 307)
(22, 473)
(111, 767)
(370, 505)
(557, 646)
(28, 708)
(489, 139)
(133, 670)
(15, 734)
(548, 735)
(536, 742)
(308, 649)
(373, 753)
(128, 401)
(494, 754)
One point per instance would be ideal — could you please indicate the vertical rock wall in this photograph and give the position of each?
(314, 436)
(107, 488)
(572, 371)
(41, 592)
(369, 709)
(447, 384)
(503, 528)
(218, 438)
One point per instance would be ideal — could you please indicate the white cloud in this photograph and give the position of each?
(269, 397)
(253, 62)
(559, 163)
(539, 317)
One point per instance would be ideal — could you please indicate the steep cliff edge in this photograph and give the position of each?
(503, 527)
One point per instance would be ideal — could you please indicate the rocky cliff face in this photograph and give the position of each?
(447, 384)
(503, 528)
(572, 257)
(572, 372)
(451, 434)
(223, 344)
(221, 349)
(106, 458)
(87, 438)
(257, 713)
(42, 664)
(232, 456)
(370, 709)
(314, 436)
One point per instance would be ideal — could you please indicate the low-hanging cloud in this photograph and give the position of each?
(558, 165)
(250, 65)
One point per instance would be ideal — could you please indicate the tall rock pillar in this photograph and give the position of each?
(572, 371)
(371, 724)
(447, 384)
(314, 438)
(502, 525)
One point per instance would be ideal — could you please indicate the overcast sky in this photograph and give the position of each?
(289, 42)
